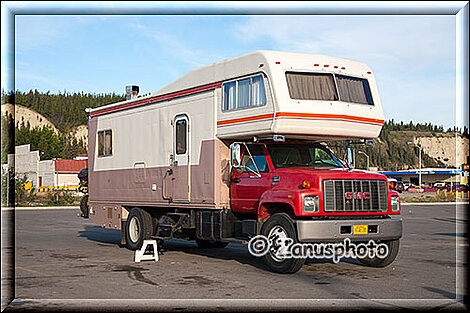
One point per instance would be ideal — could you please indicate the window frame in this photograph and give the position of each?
(250, 92)
(106, 148)
(263, 149)
(185, 122)
(335, 85)
(359, 78)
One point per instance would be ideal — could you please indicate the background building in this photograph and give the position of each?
(56, 172)
(429, 175)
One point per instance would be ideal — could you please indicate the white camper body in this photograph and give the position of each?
(170, 149)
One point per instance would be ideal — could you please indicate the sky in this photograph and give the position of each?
(413, 56)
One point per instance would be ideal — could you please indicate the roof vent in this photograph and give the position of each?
(132, 91)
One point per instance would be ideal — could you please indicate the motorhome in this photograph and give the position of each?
(239, 148)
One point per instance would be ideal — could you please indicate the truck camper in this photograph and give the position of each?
(239, 148)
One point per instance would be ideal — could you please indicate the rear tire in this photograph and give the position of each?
(139, 226)
(281, 224)
(393, 247)
(210, 244)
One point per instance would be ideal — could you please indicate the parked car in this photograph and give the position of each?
(395, 184)
(406, 186)
(440, 185)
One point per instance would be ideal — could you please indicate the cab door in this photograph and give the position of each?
(246, 188)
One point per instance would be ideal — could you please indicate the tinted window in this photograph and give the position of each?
(244, 93)
(105, 143)
(311, 86)
(229, 96)
(181, 137)
(328, 87)
(259, 158)
(352, 89)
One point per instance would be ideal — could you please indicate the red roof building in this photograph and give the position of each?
(69, 166)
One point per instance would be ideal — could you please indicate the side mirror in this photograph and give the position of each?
(350, 158)
(235, 155)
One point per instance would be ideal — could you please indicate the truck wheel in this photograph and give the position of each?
(280, 226)
(84, 207)
(139, 226)
(205, 244)
(393, 247)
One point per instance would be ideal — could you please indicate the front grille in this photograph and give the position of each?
(348, 195)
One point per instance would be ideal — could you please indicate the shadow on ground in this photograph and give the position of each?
(99, 234)
(234, 251)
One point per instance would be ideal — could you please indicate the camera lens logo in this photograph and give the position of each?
(258, 245)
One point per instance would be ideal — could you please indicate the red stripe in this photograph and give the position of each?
(330, 116)
(158, 98)
(349, 118)
(245, 119)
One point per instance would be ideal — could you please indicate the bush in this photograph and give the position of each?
(63, 197)
(20, 192)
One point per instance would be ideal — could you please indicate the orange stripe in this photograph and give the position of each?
(301, 115)
(330, 116)
(245, 119)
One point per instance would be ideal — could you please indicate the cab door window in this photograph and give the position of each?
(258, 156)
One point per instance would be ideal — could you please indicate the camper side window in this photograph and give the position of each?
(244, 93)
(181, 135)
(105, 143)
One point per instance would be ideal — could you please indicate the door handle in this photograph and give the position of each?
(235, 180)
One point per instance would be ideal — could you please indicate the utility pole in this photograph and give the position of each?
(420, 149)
(419, 146)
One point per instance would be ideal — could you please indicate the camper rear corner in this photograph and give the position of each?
(162, 154)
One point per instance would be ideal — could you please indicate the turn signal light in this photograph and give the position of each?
(305, 184)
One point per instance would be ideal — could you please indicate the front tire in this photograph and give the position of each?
(281, 226)
(393, 247)
(139, 226)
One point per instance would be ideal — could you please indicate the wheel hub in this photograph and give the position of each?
(134, 229)
(278, 239)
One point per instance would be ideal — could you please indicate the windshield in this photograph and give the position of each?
(301, 155)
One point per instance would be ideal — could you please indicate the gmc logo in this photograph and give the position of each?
(356, 195)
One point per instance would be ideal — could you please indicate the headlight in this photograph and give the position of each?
(311, 204)
(395, 201)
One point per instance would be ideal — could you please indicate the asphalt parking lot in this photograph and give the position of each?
(60, 256)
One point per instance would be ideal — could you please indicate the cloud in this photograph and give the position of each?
(383, 41)
(413, 57)
(36, 31)
(419, 100)
(52, 83)
(176, 46)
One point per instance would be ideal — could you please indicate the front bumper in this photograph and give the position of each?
(337, 230)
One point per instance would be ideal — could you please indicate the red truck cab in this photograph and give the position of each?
(322, 198)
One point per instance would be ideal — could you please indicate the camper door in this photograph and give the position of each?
(181, 151)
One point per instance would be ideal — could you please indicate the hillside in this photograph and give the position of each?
(80, 133)
(66, 110)
(25, 115)
(447, 148)
(21, 126)
(439, 149)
